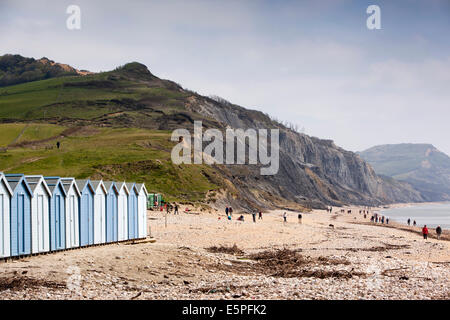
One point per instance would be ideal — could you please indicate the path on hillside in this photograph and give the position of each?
(18, 136)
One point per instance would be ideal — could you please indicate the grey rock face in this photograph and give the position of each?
(312, 171)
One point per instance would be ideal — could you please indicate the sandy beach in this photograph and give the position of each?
(327, 256)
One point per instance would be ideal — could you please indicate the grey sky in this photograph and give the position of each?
(313, 63)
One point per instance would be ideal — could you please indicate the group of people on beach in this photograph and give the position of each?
(425, 229)
(377, 218)
(425, 232)
(229, 213)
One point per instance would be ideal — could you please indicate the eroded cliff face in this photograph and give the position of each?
(312, 171)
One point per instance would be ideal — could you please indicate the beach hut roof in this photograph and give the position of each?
(99, 184)
(121, 185)
(131, 185)
(3, 179)
(15, 179)
(81, 184)
(141, 186)
(111, 185)
(53, 183)
(34, 181)
(68, 182)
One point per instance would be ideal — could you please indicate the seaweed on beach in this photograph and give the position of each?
(224, 249)
(220, 288)
(19, 283)
(386, 247)
(287, 263)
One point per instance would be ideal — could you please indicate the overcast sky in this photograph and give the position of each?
(313, 63)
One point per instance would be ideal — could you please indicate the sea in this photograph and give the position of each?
(432, 214)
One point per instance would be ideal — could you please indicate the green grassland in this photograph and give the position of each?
(21, 132)
(81, 97)
(129, 154)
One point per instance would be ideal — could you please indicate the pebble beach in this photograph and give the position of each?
(205, 256)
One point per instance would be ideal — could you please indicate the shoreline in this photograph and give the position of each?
(409, 204)
(404, 225)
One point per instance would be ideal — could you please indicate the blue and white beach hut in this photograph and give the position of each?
(111, 211)
(99, 211)
(20, 217)
(5, 224)
(40, 214)
(122, 211)
(57, 213)
(86, 212)
(142, 210)
(132, 211)
(72, 212)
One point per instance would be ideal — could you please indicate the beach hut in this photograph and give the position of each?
(57, 213)
(122, 211)
(99, 211)
(86, 218)
(142, 210)
(40, 214)
(72, 212)
(150, 201)
(111, 211)
(20, 218)
(5, 201)
(132, 211)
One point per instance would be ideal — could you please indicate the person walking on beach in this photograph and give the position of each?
(387, 220)
(226, 211)
(176, 209)
(409, 222)
(438, 232)
(425, 232)
(414, 223)
(284, 217)
(300, 218)
(260, 216)
(254, 216)
(230, 211)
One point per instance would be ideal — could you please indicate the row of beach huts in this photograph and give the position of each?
(44, 214)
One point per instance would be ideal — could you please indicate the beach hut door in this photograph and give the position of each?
(21, 223)
(40, 222)
(72, 220)
(58, 219)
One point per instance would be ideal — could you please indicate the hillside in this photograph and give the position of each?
(422, 165)
(15, 69)
(117, 124)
